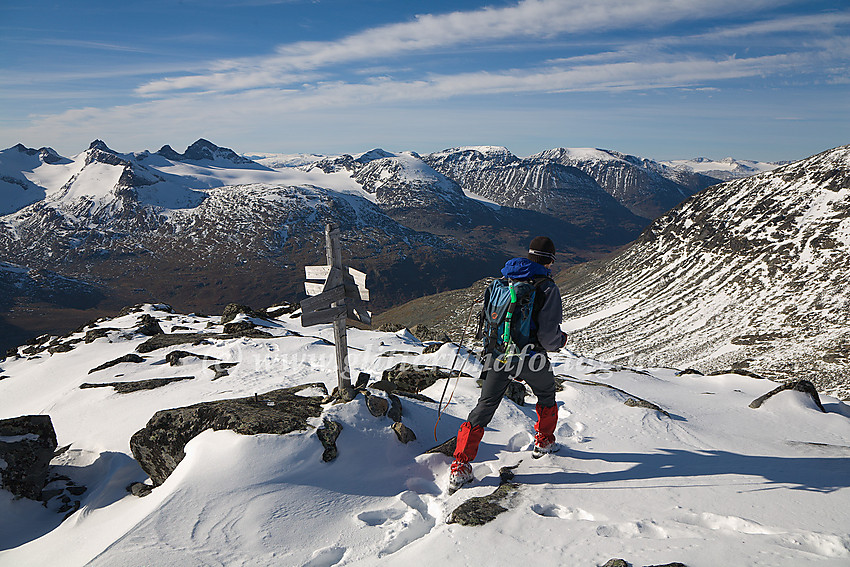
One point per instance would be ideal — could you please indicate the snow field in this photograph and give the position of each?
(714, 483)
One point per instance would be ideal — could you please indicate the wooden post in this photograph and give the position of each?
(334, 257)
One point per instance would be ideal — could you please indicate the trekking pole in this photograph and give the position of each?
(440, 407)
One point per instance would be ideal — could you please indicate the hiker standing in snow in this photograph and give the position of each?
(531, 305)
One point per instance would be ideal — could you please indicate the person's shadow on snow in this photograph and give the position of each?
(819, 474)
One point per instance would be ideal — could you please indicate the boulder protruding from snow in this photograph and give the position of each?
(414, 378)
(798, 385)
(233, 309)
(403, 432)
(480, 510)
(27, 444)
(159, 445)
(327, 435)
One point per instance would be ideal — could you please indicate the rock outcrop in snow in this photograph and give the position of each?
(159, 446)
(27, 445)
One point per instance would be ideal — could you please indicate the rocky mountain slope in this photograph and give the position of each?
(541, 185)
(751, 274)
(647, 188)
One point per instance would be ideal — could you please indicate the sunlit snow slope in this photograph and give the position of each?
(706, 481)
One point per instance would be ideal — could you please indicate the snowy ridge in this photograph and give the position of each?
(725, 169)
(538, 184)
(748, 274)
(646, 187)
(704, 481)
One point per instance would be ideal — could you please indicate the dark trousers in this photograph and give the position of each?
(534, 370)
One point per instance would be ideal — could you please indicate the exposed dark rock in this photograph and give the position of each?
(221, 369)
(799, 385)
(233, 309)
(404, 433)
(395, 410)
(362, 380)
(159, 445)
(129, 387)
(689, 371)
(99, 333)
(516, 392)
(29, 444)
(238, 327)
(617, 563)
(447, 448)
(126, 358)
(76, 490)
(506, 473)
(390, 327)
(480, 510)
(740, 371)
(139, 307)
(432, 348)
(174, 357)
(423, 333)
(633, 402)
(287, 309)
(415, 378)
(140, 489)
(674, 564)
(328, 434)
(148, 325)
(384, 385)
(376, 405)
(392, 353)
(174, 339)
(61, 347)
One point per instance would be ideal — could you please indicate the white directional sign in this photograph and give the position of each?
(336, 293)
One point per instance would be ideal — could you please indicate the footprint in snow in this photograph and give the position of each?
(519, 442)
(326, 557)
(563, 512)
(628, 530)
(403, 523)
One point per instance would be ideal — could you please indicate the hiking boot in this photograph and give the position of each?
(544, 446)
(461, 474)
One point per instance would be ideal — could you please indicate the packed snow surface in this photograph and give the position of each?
(710, 483)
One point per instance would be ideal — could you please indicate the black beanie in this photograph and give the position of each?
(542, 250)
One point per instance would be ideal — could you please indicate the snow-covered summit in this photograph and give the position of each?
(205, 151)
(657, 465)
(726, 169)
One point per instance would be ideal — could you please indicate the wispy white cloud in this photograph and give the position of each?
(529, 19)
(232, 108)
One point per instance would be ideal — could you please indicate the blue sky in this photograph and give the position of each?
(665, 79)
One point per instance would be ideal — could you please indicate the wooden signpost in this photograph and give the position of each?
(336, 293)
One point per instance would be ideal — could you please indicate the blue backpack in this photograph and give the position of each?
(508, 324)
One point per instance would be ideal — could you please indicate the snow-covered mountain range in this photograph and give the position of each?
(658, 467)
(645, 187)
(751, 274)
(207, 226)
(726, 169)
